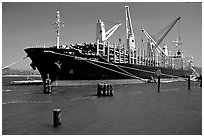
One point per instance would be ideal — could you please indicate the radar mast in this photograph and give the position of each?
(57, 26)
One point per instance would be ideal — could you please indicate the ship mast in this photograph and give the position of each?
(57, 26)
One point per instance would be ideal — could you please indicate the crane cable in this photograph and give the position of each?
(115, 71)
(14, 63)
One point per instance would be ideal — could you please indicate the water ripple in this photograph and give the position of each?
(24, 102)
(6, 90)
(83, 98)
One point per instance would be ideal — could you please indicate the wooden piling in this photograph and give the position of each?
(108, 90)
(200, 77)
(201, 82)
(99, 89)
(158, 73)
(189, 83)
(111, 90)
(158, 83)
(105, 89)
(57, 117)
(47, 85)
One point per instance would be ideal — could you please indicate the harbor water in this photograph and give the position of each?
(135, 109)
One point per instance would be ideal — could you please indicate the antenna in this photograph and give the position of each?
(57, 26)
(59, 6)
(179, 32)
(179, 43)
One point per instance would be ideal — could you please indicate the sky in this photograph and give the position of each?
(30, 24)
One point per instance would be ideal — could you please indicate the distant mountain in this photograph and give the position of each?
(9, 71)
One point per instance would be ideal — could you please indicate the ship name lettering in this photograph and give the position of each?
(84, 58)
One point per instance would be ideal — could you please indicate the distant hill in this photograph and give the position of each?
(9, 71)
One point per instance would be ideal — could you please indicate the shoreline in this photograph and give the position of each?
(95, 82)
(21, 75)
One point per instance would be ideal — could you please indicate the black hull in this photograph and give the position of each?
(64, 64)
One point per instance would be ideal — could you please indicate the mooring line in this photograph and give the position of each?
(124, 70)
(113, 70)
(14, 63)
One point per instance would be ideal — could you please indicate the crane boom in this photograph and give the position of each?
(149, 36)
(101, 32)
(170, 27)
(111, 31)
(156, 43)
(151, 39)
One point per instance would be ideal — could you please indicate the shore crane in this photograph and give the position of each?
(101, 34)
(155, 43)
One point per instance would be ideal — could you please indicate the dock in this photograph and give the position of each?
(27, 82)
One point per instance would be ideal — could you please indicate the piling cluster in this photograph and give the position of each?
(189, 82)
(201, 82)
(105, 89)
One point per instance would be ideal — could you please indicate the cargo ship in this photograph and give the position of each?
(104, 61)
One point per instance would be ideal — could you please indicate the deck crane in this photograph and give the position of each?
(152, 42)
(155, 43)
(101, 33)
(129, 31)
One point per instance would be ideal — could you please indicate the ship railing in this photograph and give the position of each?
(43, 46)
(36, 46)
